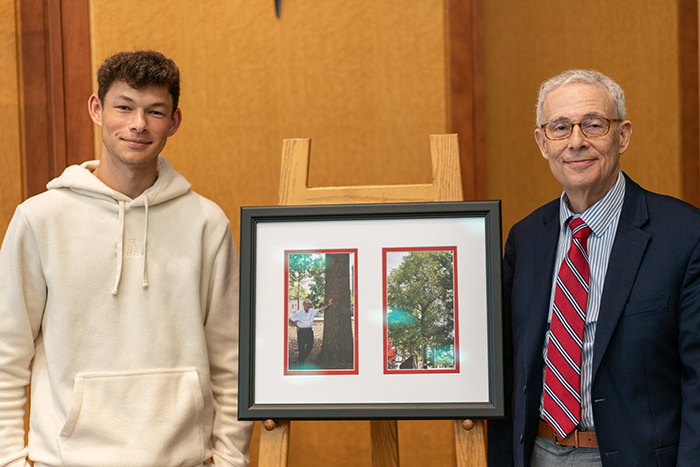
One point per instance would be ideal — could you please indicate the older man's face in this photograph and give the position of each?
(307, 305)
(586, 167)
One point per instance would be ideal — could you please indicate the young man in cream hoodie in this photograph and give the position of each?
(121, 284)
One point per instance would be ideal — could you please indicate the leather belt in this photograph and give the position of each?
(575, 439)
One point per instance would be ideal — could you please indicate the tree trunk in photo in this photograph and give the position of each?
(337, 351)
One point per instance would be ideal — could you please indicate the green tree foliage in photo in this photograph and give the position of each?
(307, 277)
(420, 302)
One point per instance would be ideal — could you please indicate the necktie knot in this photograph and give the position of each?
(579, 229)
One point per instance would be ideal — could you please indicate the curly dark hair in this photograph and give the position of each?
(139, 69)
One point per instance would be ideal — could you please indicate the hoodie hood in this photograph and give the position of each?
(169, 185)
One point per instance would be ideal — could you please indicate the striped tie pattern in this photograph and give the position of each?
(562, 380)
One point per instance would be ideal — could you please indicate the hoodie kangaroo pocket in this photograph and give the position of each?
(144, 418)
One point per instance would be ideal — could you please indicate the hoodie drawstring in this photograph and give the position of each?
(145, 242)
(120, 246)
(120, 249)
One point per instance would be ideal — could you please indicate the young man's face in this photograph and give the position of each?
(136, 123)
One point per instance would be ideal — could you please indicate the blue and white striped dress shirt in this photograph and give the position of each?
(602, 218)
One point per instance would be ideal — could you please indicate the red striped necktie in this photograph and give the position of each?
(562, 380)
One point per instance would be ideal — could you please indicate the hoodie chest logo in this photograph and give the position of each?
(133, 248)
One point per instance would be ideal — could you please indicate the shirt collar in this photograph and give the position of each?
(599, 216)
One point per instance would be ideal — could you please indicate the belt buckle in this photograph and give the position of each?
(556, 438)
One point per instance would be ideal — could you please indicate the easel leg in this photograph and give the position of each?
(385, 443)
(274, 445)
(470, 444)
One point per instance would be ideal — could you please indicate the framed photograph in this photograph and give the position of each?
(421, 321)
(312, 276)
(382, 311)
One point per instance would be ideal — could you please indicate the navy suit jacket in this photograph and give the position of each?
(646, 354)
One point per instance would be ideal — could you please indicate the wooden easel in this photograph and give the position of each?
(446, 186)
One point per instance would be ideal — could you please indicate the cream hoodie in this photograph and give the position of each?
(129, 309)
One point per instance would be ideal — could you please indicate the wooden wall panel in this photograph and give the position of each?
(365, 80)
(10, 131)
(634, 42)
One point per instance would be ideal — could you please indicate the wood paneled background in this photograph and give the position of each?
(365, 80)
(526, 42)
(368, 82)
(11, 193)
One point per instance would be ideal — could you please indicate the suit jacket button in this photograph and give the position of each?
(521, 439)
(524, 389)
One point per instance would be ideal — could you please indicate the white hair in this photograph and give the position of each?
(592, 77)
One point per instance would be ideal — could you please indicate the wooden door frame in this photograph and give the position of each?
(467, 112)
(56, 79)
(690, 107)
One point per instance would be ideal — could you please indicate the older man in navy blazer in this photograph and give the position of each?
(601, 302)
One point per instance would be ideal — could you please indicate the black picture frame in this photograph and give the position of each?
(472, 228)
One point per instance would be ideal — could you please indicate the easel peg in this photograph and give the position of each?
(270, 424)
(467, 424)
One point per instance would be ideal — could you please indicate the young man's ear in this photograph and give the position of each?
(175, 121)
(95, 109)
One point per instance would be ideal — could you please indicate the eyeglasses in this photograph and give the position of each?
(595, 127)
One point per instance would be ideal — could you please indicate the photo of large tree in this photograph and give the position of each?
(322, 284)
(420, 309)
(338, 344)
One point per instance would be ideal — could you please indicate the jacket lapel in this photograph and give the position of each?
(625, 258)
(542, 263)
